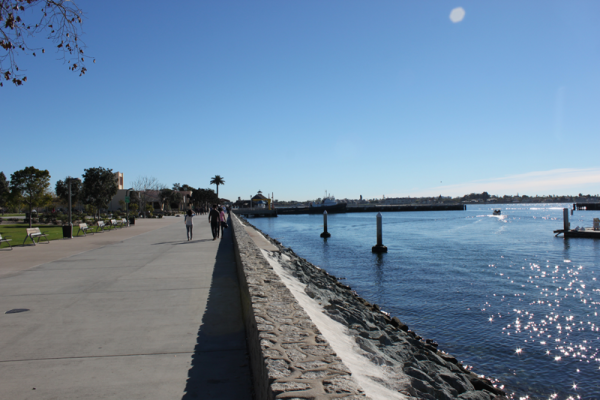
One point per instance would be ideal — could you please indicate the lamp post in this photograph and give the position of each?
(70, 214)
(127, 200)
(70, 182)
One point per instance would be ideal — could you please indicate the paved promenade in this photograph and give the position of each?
(139, 313)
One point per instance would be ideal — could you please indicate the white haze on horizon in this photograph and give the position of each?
(564, 181)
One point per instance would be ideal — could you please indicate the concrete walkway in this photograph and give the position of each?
(151, 316)
(29, 256)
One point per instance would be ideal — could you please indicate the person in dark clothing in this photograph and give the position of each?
(215, 221)
(189, 224)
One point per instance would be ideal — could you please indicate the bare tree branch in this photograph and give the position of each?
(60, 21)
(144, 186)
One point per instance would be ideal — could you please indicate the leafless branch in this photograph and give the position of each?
(59, 20)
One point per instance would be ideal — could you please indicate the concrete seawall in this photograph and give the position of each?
(289, 356)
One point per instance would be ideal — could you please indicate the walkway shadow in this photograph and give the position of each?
(192, 241)
(220, 364)
(176, 242)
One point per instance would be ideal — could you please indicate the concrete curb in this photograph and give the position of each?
(289, 356)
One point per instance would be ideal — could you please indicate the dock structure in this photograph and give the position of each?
(255, 212)
(579, 233)
(587, 206)
(567, 232)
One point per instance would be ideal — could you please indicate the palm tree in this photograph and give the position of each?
(217, 180)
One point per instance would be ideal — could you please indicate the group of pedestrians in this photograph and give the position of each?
(216, 217)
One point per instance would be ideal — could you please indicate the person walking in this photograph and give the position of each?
(214, 218)
(189, 224)
(223, 220)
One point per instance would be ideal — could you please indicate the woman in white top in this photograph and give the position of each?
(189, 224)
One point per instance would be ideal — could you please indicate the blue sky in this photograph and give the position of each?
(298, 97)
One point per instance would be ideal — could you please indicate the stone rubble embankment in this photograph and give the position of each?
(414, 366)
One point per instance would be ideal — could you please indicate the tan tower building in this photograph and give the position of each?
(119, 179)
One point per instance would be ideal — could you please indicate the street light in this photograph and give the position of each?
(71, 181)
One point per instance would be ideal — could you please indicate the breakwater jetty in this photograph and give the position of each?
(312, 337)
(357, 209)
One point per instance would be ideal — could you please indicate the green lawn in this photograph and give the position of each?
(17, 232)
(12, 215)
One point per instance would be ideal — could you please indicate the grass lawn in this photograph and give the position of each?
(12, 215)
(17, 232)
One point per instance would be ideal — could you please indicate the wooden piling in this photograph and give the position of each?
(379, 247)
(566, 219)
(325, 234)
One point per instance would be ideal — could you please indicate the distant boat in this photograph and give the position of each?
(328, 204)
(497, 211)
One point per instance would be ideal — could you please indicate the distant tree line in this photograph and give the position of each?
(29, 189)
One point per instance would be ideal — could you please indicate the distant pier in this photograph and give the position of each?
(357, 209)
(255, 212)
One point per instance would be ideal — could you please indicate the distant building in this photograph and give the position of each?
(153, 198)
(119, 179)
(261, 201)
(114, 202)
(397, 200)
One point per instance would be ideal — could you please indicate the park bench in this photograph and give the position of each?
(124, 222)
(84, 228)
(33, 233)
(5, 240)
(102, 226)
(115, 224)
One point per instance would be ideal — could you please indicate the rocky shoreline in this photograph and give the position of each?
(413, 366)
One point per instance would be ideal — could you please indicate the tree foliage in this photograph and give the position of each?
(168, 197)
(31, 185)
(204, 197)
(59, 21)
(4, 190)
(99, 186)
(185, 186)
(217, 180)
(62, 190)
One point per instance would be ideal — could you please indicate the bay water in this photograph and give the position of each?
(501, 293)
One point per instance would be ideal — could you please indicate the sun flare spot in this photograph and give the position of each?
(457, 14)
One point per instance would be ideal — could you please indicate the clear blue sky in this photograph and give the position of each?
(298, 97)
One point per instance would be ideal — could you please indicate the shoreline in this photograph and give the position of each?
(406, 363)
